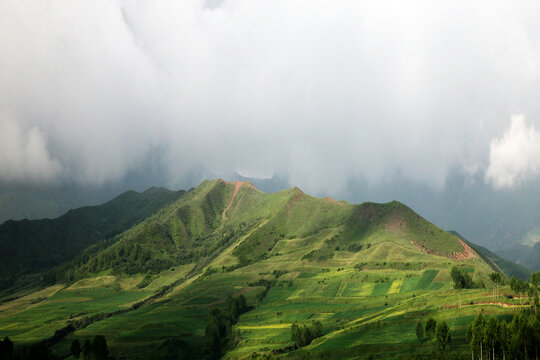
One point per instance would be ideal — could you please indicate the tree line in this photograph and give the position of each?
(491, 338)
(219, 334)
(90, 350)
(437, 332)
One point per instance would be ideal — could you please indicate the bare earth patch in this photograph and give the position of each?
(422, 247)
(397, 225)
(467, 253)
(237, 186)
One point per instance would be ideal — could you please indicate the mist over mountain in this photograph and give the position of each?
(493, 218)
(118, 95)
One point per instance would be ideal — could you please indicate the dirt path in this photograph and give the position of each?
(237, 186)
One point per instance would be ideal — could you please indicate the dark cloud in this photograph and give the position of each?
(322, 91)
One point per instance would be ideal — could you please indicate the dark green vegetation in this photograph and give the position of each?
(508, 267)
(90, 350)
(493, 338)
(462, 280)
(354, 280)
(219, 332)
(302, 335)
(35, 245)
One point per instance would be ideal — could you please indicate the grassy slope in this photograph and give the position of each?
(33, 245)
(508, 267)
(368, 272)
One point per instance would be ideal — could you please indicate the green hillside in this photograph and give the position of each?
(368, 273)
(506, 266)
(35, 245)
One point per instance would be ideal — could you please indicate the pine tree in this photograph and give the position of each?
(430, 328)
(419, 331)
(87, 350)
(442, 336)
(76, 349)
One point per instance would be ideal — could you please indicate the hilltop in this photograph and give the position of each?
(356, 269)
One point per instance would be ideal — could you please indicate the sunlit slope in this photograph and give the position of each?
(263, 225)
(356, 268)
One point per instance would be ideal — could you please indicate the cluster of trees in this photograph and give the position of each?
(462, 280)
(122, 258)
(219, 335)
(438, 332)
(521, 288)
(302, 335)
(491, 338)
(95, 350)
(38, 351)
(6, 349)
(90, 350)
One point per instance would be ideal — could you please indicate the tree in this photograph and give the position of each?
(504, 338)
(419, 331)
(491, 335)
(303, 335)
(497, 280)
(296, 337)
(6, 349)
(76, 349)
(87, 350)
(442, 336)
(535, 278)
(430, 328)
(477, 335)
(99, 348)
(462, 280)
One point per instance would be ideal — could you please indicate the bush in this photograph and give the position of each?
(303, 335)
(462, 280)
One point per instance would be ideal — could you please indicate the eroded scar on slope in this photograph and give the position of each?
(237, 186)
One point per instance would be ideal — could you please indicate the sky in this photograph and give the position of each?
(330, 93)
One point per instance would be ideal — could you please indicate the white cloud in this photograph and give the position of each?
(24, 155)
(515, 157)
(320, 90)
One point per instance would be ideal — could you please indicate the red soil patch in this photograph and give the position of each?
(467, 253)
(329, 199)
(298, 195)
(237, 186)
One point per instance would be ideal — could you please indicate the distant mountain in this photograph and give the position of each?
(276, 183)
(525, 255)
(34, 245)
(508, 267)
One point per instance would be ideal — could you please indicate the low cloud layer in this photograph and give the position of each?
(322, 91)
